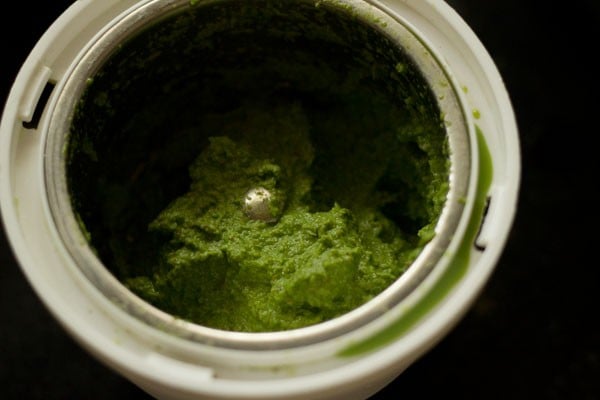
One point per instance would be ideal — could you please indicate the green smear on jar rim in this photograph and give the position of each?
(455, 271)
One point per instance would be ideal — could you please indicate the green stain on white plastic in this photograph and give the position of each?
(455, 272)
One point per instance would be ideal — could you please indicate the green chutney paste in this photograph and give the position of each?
(346, 138)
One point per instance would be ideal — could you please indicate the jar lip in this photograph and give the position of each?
(460, 137)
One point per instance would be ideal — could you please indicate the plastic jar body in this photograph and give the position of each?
(352, 364)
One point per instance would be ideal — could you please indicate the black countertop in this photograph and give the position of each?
(532, 334)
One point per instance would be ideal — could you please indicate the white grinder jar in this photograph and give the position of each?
(351, 356)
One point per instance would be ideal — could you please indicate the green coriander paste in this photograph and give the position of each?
(342, 141)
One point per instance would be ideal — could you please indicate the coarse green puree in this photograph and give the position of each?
(326, 115)
(225, 270)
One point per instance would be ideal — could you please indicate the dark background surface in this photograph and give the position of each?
(532, 334)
